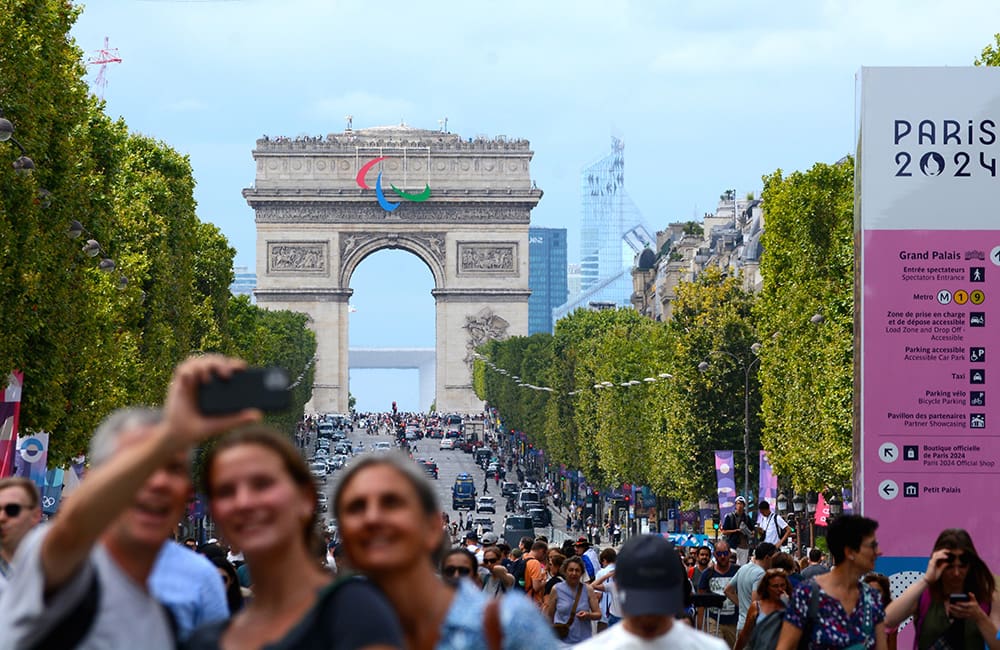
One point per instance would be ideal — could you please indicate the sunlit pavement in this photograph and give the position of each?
(451, 463)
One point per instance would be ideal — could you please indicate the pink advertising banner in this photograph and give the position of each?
(928, 183)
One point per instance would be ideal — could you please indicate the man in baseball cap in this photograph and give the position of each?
(736, 528)
(591, 561)
(649, 579)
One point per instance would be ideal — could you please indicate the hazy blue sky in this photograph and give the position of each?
(706, 95)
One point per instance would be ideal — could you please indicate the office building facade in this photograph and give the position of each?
(546, 276)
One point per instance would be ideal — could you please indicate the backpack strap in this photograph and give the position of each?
(71, 629)
(492, 629)
(812, 615)
(923, 606)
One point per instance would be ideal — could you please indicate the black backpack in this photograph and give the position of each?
(517, 569)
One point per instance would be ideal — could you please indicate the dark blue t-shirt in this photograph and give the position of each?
(712, 580)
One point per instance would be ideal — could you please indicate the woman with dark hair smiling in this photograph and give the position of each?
(956, 604)
(391, 529)
(836, 610)
(263, 499)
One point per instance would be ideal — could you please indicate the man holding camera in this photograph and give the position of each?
(737, 527)
(80, 581)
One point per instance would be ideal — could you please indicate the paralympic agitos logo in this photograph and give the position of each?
(387, 205)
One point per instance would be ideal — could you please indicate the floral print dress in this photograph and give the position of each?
(832, 626)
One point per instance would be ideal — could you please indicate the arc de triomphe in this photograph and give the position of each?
(461, 205)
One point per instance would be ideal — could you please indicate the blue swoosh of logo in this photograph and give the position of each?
(380, 195)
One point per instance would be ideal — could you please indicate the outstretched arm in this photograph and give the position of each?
(110, 488)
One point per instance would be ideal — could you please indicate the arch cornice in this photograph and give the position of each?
(428, 246)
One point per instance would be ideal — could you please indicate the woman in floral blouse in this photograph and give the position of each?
(837, 610)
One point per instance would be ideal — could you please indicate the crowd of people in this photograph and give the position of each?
(103, 573)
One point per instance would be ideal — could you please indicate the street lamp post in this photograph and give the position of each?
(798, 507)
(746, 367)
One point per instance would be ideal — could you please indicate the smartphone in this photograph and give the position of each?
(958, 598)
(260, 388)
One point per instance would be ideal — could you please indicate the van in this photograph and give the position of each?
(515, 527)
(525, 497)
(482, 456)
(463, 493)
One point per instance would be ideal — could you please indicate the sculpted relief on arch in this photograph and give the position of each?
(429, 246)
(482, 327)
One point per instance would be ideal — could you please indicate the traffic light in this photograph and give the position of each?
(628, 500)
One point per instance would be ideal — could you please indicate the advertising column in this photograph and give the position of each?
(928, 231)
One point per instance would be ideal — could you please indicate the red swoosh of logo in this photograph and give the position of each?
(360, 178)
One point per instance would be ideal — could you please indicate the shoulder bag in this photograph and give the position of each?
(562, 629)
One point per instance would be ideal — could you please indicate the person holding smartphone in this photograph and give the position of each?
(956, 605)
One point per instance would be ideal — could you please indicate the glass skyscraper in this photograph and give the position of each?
(244, 282)
(612, 231)
(546, 276)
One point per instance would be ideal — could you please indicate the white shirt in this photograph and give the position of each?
(771, 525)
(609, 598)
(680, 637)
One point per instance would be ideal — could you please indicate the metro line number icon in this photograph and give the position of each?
(387, 205)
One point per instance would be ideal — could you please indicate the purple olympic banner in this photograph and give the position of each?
(10, 411)
(32, 457)
(768, 481)
(724, 473)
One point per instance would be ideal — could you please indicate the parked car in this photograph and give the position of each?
(429, 466)
(486, 523)
(515, 527)
(538, 517)
(525, 497)
(486, 504)
(318, 471)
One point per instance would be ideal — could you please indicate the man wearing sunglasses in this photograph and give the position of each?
(714, 580)
(19, 513)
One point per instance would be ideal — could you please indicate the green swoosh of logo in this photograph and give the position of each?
(417, 198)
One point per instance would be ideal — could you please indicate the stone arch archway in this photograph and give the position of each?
(355, 247)
(317, 221)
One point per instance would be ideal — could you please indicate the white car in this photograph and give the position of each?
(382, 446)
(447, 443)
(318, 471)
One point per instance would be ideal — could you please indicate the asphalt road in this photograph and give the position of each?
(451, 463)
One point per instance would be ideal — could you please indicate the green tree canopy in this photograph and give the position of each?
(807, 367)
(990, 54)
